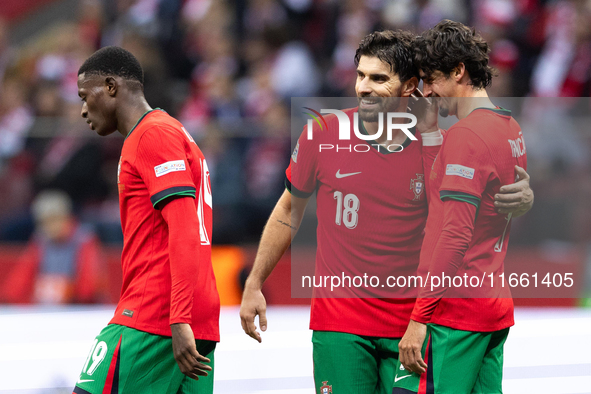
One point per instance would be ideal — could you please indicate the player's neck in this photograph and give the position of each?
(470, 99)
(129, 115)
(398, 136)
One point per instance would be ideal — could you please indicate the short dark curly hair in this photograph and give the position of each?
(450, 43)
(394, 47)
(116, 61)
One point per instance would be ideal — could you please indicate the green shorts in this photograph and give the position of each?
(125, 360)
(352, 364)
(459, 362)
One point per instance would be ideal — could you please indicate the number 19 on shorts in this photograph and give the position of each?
(96, 355)
(347, 208)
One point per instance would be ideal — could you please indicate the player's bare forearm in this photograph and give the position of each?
(276, 238)
(277, 235)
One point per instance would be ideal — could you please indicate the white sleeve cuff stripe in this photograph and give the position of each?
(434, 138)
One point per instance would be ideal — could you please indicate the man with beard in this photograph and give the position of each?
(369, 216)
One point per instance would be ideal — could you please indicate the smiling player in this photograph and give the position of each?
(461, 348)
(369, 215)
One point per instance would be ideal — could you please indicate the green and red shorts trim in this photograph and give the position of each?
(457, 362)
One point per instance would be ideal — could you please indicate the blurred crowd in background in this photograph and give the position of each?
(227, 69)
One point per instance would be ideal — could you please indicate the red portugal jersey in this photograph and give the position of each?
(478, 156)
(159, 160)
(371, 209)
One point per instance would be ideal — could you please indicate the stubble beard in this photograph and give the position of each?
(387, 104)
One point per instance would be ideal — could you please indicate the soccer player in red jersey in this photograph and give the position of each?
(168, 313)
(371, 210)
(463, 329)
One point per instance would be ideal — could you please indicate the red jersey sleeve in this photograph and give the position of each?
(467, 166)
(161, 162)
(288, 173)
(456, 234)
(302, 171)
(183, 246)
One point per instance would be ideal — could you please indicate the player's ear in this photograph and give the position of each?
(111, 86)
(408, 87)
(459, 72)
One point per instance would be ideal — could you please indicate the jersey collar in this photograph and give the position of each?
(142, 118)
(497, 110)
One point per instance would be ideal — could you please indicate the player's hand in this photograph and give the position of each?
(410, 347)
(185, 352)
(426, 110)
(516, 198)
(253, 303)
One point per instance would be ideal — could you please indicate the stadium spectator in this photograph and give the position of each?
(61, 264)
(15, 118)
(220, 65)
(69, 163)
(6, 51)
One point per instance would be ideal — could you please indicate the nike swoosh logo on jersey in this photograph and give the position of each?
(339, 175)
(396, 378)
(84, 381)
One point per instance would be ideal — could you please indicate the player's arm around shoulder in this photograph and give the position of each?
(517, 198)
(277, 235)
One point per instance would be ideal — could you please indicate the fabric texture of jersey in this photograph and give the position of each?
(371, 209)
(160, 161)
(478, 156)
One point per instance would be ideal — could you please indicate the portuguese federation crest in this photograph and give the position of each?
(417, 185)
(325, 388)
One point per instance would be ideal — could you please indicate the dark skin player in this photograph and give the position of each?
(113, 103)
